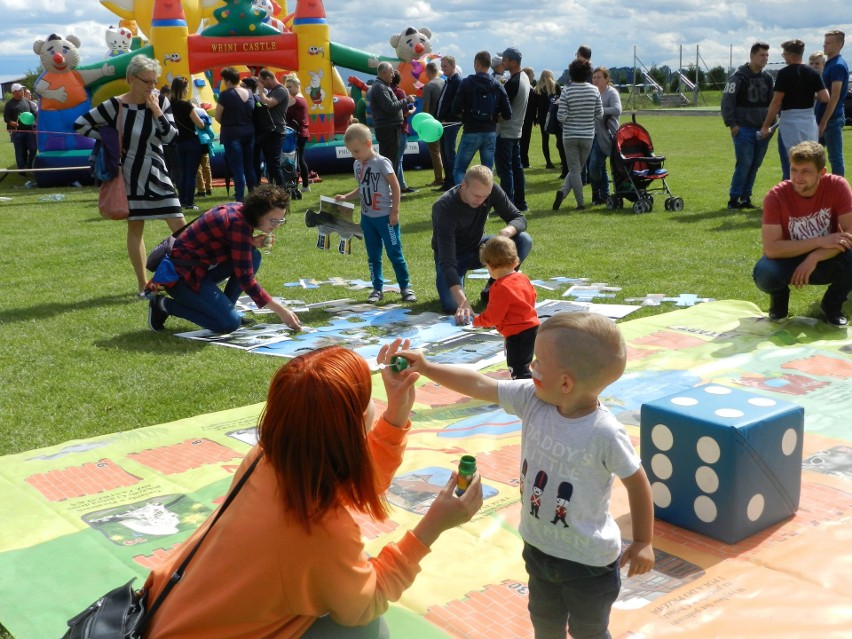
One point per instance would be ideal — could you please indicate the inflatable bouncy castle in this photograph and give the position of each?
(196, 38)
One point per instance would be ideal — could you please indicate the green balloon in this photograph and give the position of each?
(27, 119)
(418, 118)
(431, 131)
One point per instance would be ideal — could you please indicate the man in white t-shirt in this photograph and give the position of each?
(807, 234)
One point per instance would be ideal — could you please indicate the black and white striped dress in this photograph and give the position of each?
(150, 193)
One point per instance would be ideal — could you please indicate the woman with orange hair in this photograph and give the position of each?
(287, 559)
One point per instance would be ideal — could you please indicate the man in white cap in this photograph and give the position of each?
(21, 129)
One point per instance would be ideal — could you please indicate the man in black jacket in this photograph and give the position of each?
(745, 103)
(480, 101)
(451, 121)
(387, 111)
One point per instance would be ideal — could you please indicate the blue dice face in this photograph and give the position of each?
(723, 462)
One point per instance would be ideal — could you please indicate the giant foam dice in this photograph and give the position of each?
(722, 462)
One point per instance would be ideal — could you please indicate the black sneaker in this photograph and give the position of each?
(778, 305)
(557, 201)
(834, 315)
(157, 315)
(408, 295)
(375, 296)
(745, 203)
(734, 203)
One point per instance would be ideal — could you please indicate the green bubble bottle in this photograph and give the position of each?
(398, 363)
(467, 468)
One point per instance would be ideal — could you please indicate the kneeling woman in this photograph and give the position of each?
(221, 245)
(287, 558)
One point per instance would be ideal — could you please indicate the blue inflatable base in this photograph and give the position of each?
(63, 160)
(333, 157)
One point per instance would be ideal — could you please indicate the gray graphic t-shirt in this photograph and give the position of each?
(373, 187)
(567, 468)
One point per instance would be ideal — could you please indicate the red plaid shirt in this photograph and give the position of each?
(222, 234)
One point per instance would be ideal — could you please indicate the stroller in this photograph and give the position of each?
(288, 164)
(635, 169)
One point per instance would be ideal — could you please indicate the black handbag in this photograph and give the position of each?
(121, 613)
(552, 125)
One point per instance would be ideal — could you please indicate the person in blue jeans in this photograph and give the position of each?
(745, 103)
(221, 245)
(458, 225)
(480, 125)
(806, 236)
(234, 112)
(379, 193)
(832, 116)
(187, 121)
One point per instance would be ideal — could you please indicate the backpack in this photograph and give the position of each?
(552, 125)
(484, 106)
(261, 117)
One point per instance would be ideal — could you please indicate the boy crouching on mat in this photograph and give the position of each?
(571, 446)
(511, 304)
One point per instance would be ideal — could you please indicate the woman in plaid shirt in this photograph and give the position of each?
(221, 245)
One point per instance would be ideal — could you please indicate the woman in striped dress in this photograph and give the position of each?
(146, 126)
(579, 106)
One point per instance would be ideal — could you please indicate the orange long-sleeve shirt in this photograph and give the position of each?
(259, 574)
(511, 306)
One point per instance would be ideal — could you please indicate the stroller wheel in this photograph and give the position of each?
(639, 206)
(610, 202)
(649, 203)
(668, 203)
(677, 204)
(619, 203)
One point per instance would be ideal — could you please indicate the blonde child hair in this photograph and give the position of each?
(589, 346)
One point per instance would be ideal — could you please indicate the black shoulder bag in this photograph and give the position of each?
(121, 613)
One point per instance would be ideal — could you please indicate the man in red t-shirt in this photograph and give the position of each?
(807, 235)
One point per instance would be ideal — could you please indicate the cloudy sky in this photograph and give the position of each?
(546, 32)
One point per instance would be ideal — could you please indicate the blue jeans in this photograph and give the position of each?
(773, 276)
(511, 171)
(448, 152)
(400, 176)
(378, 233)
(211, 307)
(598, 176)
(468, 261)
(563, 592)
(749, 151)
(239, 154)
(25, 146)
(485, 143)
(833, 137)
(189, 157)
(785, 159)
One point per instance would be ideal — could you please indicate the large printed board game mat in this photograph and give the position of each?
(82, 517)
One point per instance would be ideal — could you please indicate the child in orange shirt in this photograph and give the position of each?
(511, 304)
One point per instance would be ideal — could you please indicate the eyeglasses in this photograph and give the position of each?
(277, 222)
(150, 83)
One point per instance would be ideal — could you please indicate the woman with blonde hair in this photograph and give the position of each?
(287, 558)
(298, 120)
(145, 127)
(546, 90)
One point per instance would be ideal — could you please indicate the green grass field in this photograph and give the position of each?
(78, 360)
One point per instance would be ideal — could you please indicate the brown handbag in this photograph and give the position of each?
(112, 198)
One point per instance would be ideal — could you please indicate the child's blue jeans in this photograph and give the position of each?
(377, 233)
